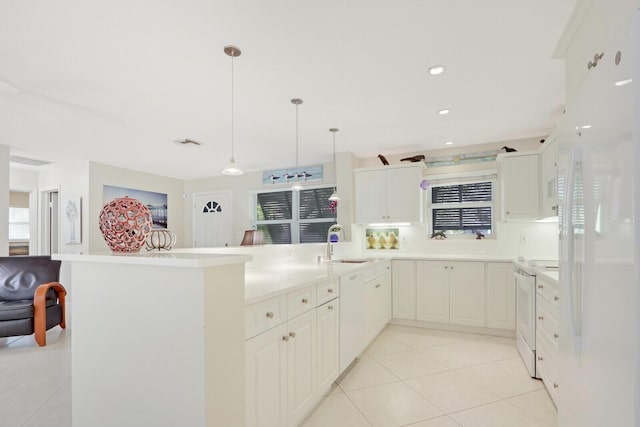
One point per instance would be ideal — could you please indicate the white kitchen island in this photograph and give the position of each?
(158, 339)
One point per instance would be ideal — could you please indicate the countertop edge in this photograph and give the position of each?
(165, 259)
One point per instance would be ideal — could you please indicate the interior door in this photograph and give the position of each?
(212, 219)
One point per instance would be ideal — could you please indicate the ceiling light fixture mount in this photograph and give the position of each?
(296, 185)
(334, 196)
(436, 70)
(448, 143)
(444, 111)
(232, 168)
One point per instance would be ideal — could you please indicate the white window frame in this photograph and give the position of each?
(24, 223)
(449, 180)
(295, 220)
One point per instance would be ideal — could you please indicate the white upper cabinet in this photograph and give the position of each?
(389, 194)
(519, 179)
(549, 177)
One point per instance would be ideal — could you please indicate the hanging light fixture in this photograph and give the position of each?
(232, 168)
(334, 196)
(296, 185)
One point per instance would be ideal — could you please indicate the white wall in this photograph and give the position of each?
(4, 200)
(27, 181)
(100, 175)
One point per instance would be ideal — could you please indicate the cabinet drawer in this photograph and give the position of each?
(301, 300)
(264, 315)
(326, 291)
(547, 323)
(549, 292)
(547, 365)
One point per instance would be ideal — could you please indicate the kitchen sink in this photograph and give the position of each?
(350, 261)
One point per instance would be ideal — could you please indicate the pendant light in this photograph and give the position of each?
(296, 185)
(232, 168)
(334, 196)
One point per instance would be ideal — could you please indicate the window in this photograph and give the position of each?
(462, 209)
(294, 216)
(18, 224)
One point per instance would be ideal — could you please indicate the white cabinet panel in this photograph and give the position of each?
(432, 291)
(390, 194)
(466, 293)
(328, 344)
(500, 296)
(403, 289)
(377, 306)
(549, 177)
(266, 373)
(351, 318)
(519, 183)
(301, 366)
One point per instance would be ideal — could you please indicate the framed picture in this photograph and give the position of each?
(156, 202)
(73, 219)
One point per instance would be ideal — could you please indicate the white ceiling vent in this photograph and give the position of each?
(27, 161)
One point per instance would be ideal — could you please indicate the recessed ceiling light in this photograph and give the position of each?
(444, 111)
(448, 143)
(586, 127)
(436, 70)
(623, 82)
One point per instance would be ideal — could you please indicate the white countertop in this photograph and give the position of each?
(264, 283)
(453, 257)
(549, 276)
(167, 259)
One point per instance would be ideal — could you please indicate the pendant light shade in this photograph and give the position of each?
(232, 168)
(334, 196)
(297, 186)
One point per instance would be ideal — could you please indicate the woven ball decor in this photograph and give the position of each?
(125, 223)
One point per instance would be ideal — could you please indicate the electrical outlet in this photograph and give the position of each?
(523, 239)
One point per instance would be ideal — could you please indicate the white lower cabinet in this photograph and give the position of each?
(547, 334)
(432, 291)
(403, 284)
(301, 366)
(500, 296)
(328, 329)
(377, 306)
(466, 293)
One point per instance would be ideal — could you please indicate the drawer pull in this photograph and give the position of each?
(305, 301)
(292, 334)
(540, 287)
(540, 358)
(556, 298)
(330, 290)
(330, 307)
(555, 385)
(378, 285)
(556, 335)
(269, 315)
(540, 318)
(285, 338)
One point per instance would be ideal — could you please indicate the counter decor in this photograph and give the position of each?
(125, 224)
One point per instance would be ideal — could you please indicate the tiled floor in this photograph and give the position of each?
(430, 378)
(408, 377)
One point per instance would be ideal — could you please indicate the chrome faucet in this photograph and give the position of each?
(336, 231)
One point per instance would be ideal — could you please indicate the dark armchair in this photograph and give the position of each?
(31, 298)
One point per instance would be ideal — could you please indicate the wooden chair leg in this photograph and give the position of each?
(40, 310)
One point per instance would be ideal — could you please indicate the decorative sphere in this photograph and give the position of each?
(125, 223)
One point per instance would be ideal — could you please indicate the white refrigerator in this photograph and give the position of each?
(599, 183)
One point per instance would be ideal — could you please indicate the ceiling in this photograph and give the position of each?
(119, 82)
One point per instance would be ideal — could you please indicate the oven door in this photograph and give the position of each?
(526, 307)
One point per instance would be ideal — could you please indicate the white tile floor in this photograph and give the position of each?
(408, 377)
(430, 378)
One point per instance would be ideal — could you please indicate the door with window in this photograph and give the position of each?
(212, 219)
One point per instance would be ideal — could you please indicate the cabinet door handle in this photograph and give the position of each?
(330, 307)
(269, 315)
(378, 285)
(556, 298)
(540, 318)
(446, 267)
(540, 358)
(292, 334)
(285, 338)
(452, 267)
(305, 301)
(540, 287)
(556, 336)
(555, 385)
(330, 290)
